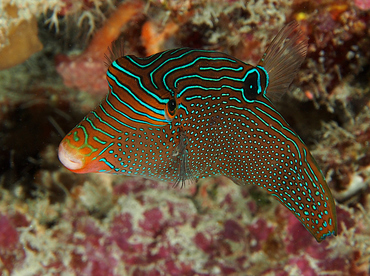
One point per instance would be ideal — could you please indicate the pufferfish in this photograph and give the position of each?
(185, 114)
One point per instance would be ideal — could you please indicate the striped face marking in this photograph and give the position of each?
(186, 114)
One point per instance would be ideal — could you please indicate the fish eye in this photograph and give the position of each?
(252, 86)
(170, 111)
(171, 105)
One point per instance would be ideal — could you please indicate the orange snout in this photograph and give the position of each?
(70, 157)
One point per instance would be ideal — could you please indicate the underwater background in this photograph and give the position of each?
(55, 222)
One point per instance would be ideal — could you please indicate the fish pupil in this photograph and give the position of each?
(171, 105)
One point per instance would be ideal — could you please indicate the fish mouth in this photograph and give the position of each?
(69, 157)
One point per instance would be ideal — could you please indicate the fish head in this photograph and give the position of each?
(128, 130)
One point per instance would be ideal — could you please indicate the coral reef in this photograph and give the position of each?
(18, 39)
(78, 71)
(53, 222)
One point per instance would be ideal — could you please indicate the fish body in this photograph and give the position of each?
(186, 114)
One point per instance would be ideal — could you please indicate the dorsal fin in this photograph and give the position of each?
(283, 58)
(115, 51)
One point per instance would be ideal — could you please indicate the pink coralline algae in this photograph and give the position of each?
(149, 232)
(12, 253)
(362, 4)
(77, 71)
(257, 237)
(97, 258)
